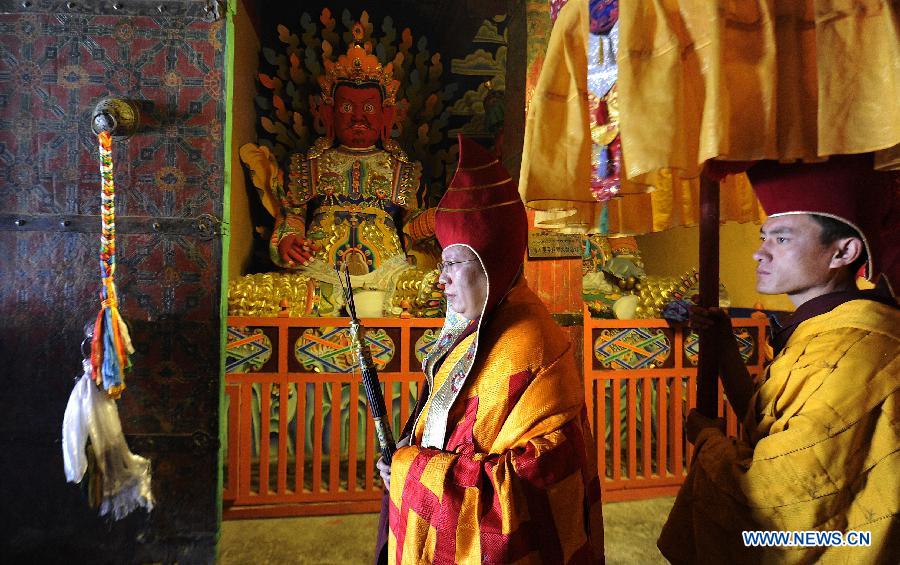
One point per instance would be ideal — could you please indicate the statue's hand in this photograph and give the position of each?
(295, 250)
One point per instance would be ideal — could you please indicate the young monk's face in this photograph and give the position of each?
(465, 281)
(792, 259)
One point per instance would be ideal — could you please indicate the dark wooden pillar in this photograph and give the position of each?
(708, 370)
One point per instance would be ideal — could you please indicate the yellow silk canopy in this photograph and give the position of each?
(701, 80)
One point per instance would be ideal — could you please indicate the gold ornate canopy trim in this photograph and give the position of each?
(507, 203)
(479, 186)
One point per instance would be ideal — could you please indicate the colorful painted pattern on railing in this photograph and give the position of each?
(246, 351)
(632, 348)
(329, 350)
(746, 345)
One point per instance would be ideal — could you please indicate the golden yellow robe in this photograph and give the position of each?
(821, 452)
(756, 79)
(516, 480)
(555, 175)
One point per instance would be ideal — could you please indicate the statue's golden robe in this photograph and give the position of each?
(357, 198)
(516, 480)
(821, 452)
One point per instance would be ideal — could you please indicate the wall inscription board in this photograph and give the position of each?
(543, 244)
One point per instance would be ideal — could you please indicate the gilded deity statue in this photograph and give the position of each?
(351, 199)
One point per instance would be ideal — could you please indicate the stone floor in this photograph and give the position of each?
(630, 528)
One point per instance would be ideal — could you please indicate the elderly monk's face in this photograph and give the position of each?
(464, 280)
(792, 258)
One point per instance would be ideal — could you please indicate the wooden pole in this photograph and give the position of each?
(708, 366)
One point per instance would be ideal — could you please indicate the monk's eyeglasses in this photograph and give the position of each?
(444, 264)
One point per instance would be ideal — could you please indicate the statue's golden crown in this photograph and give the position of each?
(358, 66)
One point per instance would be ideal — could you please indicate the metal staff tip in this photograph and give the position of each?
(343, 274)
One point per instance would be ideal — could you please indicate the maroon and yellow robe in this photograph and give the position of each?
(501, 467)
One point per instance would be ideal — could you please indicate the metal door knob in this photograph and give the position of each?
(118, 116)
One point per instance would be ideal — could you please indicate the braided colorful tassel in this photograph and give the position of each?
(111, 346)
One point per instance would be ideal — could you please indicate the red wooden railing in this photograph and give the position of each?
(640, 383)
(323, 415)
(314, 452)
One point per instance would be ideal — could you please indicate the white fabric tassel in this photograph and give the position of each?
(125, 477)
(74, 430)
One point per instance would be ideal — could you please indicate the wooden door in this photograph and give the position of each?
(57, 59)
